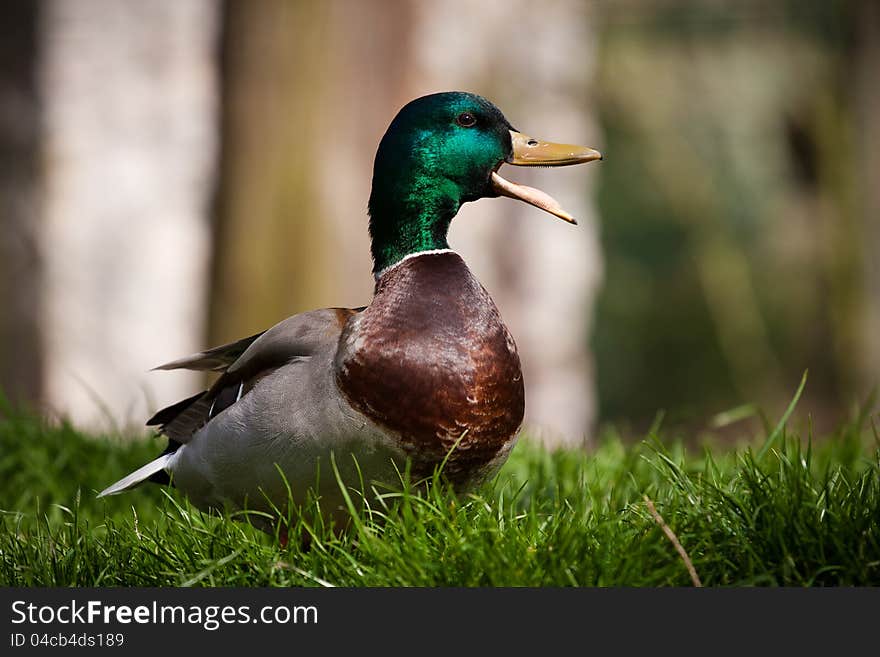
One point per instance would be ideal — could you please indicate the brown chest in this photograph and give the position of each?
(431, 361)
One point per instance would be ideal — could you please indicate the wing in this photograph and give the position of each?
(212, 360)
(181, 420)
(243, 364)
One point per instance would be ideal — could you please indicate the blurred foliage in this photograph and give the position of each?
(731, 225)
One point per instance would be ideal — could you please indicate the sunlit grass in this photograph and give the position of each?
(799, 514)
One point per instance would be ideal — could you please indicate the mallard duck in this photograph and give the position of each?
(426, 372)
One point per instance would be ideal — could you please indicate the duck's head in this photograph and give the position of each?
(441, 151)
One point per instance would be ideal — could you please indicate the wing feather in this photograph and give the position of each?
(212, 360)
(243, 363)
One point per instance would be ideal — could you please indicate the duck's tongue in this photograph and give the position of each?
(533, 152)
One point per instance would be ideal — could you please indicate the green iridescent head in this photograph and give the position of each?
(441, 151)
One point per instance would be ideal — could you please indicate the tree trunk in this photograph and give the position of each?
(130, 130)
(20, 267)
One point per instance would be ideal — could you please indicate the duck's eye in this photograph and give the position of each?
(466, 120)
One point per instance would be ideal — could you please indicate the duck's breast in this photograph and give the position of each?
(431, 361)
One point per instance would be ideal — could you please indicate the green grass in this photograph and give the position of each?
(803, 513)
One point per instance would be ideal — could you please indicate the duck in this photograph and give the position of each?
(425, 377)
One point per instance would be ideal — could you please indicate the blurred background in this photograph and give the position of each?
(175, 175)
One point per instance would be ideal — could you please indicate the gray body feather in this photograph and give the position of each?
(285, 419)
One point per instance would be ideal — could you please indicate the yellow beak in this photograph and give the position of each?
(531, 152)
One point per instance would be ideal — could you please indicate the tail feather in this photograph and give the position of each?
(139, 476)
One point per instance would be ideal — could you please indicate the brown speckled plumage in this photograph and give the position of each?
(429, 359)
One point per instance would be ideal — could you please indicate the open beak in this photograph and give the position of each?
(530, 152)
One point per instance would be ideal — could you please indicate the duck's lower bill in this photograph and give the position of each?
(530, 152)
